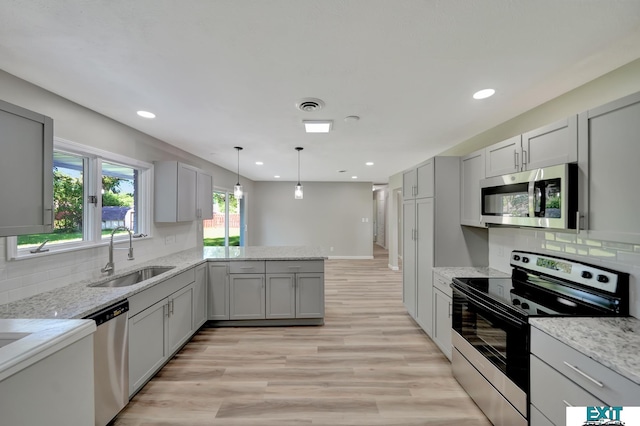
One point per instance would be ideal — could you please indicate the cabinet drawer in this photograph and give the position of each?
(442, 284)
(552, 393)
(602, 382)
(247, 267)
(141, 301)
(294, 266)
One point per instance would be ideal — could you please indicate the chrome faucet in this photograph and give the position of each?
(109, 267)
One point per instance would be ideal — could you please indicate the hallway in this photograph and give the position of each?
(370, 364)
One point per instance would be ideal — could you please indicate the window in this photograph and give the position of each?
(95, 192)
(225, 229)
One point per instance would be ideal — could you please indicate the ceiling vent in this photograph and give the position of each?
(310, 105)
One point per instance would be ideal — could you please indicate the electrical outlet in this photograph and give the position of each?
(170, 239)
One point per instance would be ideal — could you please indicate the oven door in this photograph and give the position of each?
(499, 336)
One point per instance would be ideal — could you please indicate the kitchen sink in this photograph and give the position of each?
(8, 338)
(134, 277)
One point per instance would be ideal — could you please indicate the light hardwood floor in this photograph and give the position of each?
(370, 364)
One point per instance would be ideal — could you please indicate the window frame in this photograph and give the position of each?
(92, 214)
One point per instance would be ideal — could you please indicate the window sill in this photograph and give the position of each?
(14, 254)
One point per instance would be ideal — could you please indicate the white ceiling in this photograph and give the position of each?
(219, 74)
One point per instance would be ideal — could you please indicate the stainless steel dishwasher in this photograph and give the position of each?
(111, 361)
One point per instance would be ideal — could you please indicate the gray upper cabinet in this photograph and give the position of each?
(609, 173)
(418, 182)
(556, 143)
(26, 156)
(502, 157)
(182, 192)
(472, 168)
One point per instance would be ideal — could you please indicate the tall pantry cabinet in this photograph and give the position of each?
(432, 235)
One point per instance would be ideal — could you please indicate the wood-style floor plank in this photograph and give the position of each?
(369, 365)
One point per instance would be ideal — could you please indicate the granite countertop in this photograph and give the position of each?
(451, 272)
(613, 342)
(80, 299)
(27, 341)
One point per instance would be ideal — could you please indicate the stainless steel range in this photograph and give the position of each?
(490, 333)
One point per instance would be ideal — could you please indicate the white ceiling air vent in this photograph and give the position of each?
(310, 104)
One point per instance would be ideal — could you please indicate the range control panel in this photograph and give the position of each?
(569, 270)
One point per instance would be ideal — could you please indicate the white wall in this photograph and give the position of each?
(330, 215)
(24, 278)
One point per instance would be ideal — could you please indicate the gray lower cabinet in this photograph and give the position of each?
(218, 291)
(562, 376)
(246, 296)
(161, 321)
(281, 296)
(310, 295)
(200, 299)
(442, 321)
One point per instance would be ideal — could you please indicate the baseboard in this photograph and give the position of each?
(393, 268)
(351, 257)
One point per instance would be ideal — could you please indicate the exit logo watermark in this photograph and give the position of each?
(603, 416)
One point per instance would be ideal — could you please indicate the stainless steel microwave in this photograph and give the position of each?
(540, 198)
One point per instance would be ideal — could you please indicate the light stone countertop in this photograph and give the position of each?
(613, 342)
(27, 341)
(79, 299)
(450, 272)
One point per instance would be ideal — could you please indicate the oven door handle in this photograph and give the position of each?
(512, 320)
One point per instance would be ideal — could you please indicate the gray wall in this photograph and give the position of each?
(330, 215)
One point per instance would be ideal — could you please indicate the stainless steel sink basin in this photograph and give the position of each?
(135, 277)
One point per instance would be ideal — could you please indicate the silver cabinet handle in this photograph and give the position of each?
(585, 375)
(525, 157)
(515, 160)
(577, 223)
(171, 307)
(450, 310)
(294, 267)
(247, 267)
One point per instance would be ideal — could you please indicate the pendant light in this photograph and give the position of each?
(237, 190)
(298, 190)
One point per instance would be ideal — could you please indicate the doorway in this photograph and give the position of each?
(225, 228)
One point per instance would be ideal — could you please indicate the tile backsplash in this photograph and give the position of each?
(618, 256)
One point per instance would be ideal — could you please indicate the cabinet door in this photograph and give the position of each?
(550, 145)
(186, 196)
(281, 300)
(310, 295)
(503, 157)
(180, 320)
(246, 296)
(409, 256)
(205, 196)
(218, 291)
(147, 344)
(26, 166)
(609, 153)
(424, 263)
(472, 172)
(200, 300)
(409, 186)
(442, 321)
(425, 180)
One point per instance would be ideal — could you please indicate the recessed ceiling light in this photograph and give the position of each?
(354, 177)
(146, 114)
(259, 163)
(277, 176)
(317, 126)
(483, 94)
(369, 163)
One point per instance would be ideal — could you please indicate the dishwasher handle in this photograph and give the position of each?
(110, 312)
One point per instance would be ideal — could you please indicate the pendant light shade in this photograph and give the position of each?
(237, 189)
(298, 190)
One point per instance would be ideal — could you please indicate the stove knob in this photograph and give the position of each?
(525, 260)
(516, 302)
(603, 279)
(525, 306)
(516, 257)
(586, 274)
